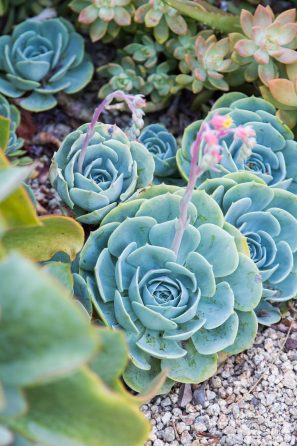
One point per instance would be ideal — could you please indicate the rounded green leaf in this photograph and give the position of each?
(246, 284)
(43, 333)
(193, 368)
(79, 410)
(246, 334)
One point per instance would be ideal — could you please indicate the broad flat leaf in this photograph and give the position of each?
(112, 359)
(80, 411)
(17, 209)
(43, 334)
(56, 234)
(4, 132)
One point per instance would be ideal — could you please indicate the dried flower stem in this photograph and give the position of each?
(135, 104)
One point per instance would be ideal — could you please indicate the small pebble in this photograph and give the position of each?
(227, 410)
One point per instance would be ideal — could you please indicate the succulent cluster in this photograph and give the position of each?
(162, 18)
(266, 42)
(267, 217)
(103, 17)
(113, 169)
(11, 112)
(272, 159)
(177, 310)
(153, 80)
(207, 66)
(40, 59)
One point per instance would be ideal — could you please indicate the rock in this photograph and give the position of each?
(169, 434)
(185, 395)
(158, 443)
(290, 380)
(266, 417)
(166, 417)
(199, 396)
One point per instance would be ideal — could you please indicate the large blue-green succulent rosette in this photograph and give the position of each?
(40, 59)
(273, 158)
(162, 144)
(178, 311)
(114, 168)
(267, 217)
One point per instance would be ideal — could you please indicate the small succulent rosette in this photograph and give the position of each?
(11, 112)
(103, 18)
(267, 217)
(113, 169)
(274, 156)
(267, 41)
(162, 19)
(163, 146)
(40, 59)
(178, 311)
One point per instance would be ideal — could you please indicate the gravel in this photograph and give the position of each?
(251, 401)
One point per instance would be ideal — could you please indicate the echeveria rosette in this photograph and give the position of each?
(267, 217)
(145, 50)
(104, 18)
(273, 158)
(178, 311)
(40, 59)
(125, 76)
(208, 66)
(163, 146)
(11, 112)
(266, 42)
(113, 169)
(162, 18)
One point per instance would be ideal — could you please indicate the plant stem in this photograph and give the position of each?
(214, 17)
(195, 172)
(90, 132)
(134, 102)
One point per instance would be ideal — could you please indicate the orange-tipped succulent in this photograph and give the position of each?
(282, 92)
(266, 42)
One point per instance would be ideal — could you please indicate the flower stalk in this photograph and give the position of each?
(206, 154)
(134, 102)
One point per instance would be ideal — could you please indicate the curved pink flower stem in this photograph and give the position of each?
(209, 135)
(134, 102)
(195, 172)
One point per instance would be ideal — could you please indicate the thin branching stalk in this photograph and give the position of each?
(135, 104)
